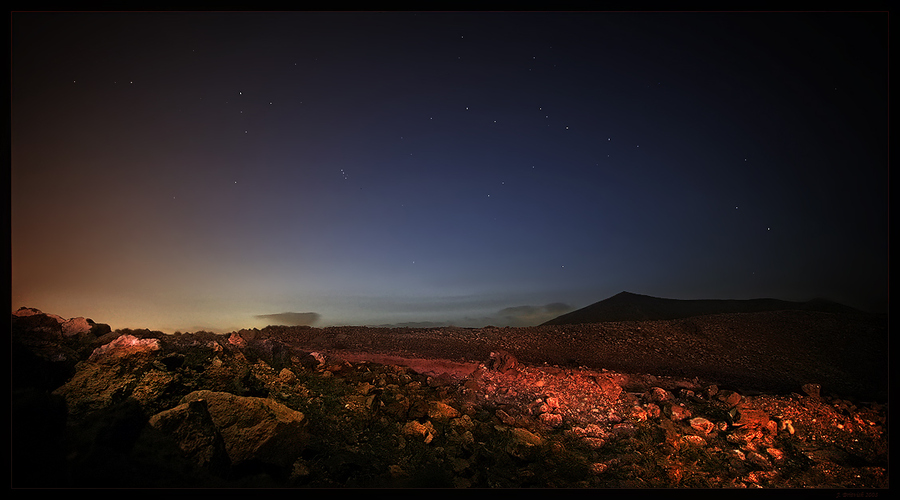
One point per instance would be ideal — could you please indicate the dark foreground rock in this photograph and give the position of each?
(264, 409)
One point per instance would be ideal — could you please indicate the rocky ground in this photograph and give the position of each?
(696, 403)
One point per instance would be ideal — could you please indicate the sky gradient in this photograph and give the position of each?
(185, 171)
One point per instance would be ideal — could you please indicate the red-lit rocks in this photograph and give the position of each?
(551, 419)
(440, 411)
(693, 440)
(752, 418)
(677, 411)
(418, 430)
(502, 362)
(658, 395)
(730, 398)
(76, 326)
(121, 347)
(702, 425)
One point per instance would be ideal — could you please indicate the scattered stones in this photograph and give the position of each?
(591, 430)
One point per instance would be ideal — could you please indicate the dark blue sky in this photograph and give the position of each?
(179, 171)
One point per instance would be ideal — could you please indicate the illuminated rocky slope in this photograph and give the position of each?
(361, 407)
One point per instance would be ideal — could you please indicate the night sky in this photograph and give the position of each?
(186, 171)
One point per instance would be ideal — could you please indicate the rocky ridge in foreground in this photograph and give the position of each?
(282, 407)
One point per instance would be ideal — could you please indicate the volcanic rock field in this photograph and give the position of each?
(768, 399)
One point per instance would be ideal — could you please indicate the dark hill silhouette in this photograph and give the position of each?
(627, 306)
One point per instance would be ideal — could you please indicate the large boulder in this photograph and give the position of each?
(96, 386)
(118, 371)
(116, 448)
(192, 427)
(256, 431)
(123, 346)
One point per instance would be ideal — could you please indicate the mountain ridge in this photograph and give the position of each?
(628, 306)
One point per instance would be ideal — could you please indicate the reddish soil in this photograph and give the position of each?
(774, 352)
(426, 366)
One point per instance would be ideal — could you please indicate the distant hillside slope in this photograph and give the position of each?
(627, 306)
